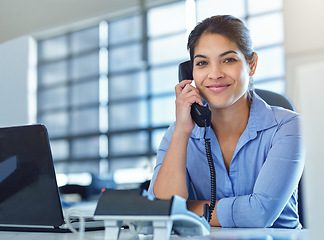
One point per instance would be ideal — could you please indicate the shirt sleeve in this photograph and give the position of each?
(274, 186)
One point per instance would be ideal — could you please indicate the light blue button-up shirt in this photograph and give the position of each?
(260, 189)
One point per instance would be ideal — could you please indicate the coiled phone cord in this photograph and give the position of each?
(208, 209)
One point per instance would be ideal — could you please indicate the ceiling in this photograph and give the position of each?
(32, 17)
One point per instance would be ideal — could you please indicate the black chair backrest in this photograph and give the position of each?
(275, 99)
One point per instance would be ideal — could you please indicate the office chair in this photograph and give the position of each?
(275, 99)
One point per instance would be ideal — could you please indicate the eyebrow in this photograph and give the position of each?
(200, 56)
(221, 55)
(228, 52)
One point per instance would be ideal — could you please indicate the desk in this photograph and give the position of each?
(216, 234)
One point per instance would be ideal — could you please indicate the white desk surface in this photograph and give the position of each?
(216, 233)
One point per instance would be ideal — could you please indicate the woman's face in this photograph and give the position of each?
(220, 71)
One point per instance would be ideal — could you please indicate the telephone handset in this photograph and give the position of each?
(202, 117)
(200, 114)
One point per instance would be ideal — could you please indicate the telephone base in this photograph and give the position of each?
(157, 217)
(161, 227)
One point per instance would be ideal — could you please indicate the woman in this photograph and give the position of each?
(256, 147)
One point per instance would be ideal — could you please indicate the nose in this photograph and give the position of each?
(216, 72)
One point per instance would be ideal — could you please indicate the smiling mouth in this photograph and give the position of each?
(217, 88)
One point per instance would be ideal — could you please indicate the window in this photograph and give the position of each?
(68, 93)
(106, 93)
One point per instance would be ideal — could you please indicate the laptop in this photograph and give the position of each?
(29, 196)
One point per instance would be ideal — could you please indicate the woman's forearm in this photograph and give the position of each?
(197, 206)
(171, 179)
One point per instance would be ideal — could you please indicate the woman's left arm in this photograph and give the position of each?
(275, 184)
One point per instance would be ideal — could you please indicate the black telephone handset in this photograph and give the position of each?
(202, 117)
(200, 114)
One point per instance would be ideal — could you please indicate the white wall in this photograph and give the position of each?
(304, 41)
(303, 30)
(311, 77)
(14, 64)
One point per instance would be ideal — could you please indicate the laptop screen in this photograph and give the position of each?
(28, 188)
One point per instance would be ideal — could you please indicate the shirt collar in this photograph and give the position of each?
(261, 114)
(261, 118)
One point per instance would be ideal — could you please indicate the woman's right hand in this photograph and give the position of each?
(186, 95)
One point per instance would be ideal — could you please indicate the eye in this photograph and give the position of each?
(230, 60)
(201, 63)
